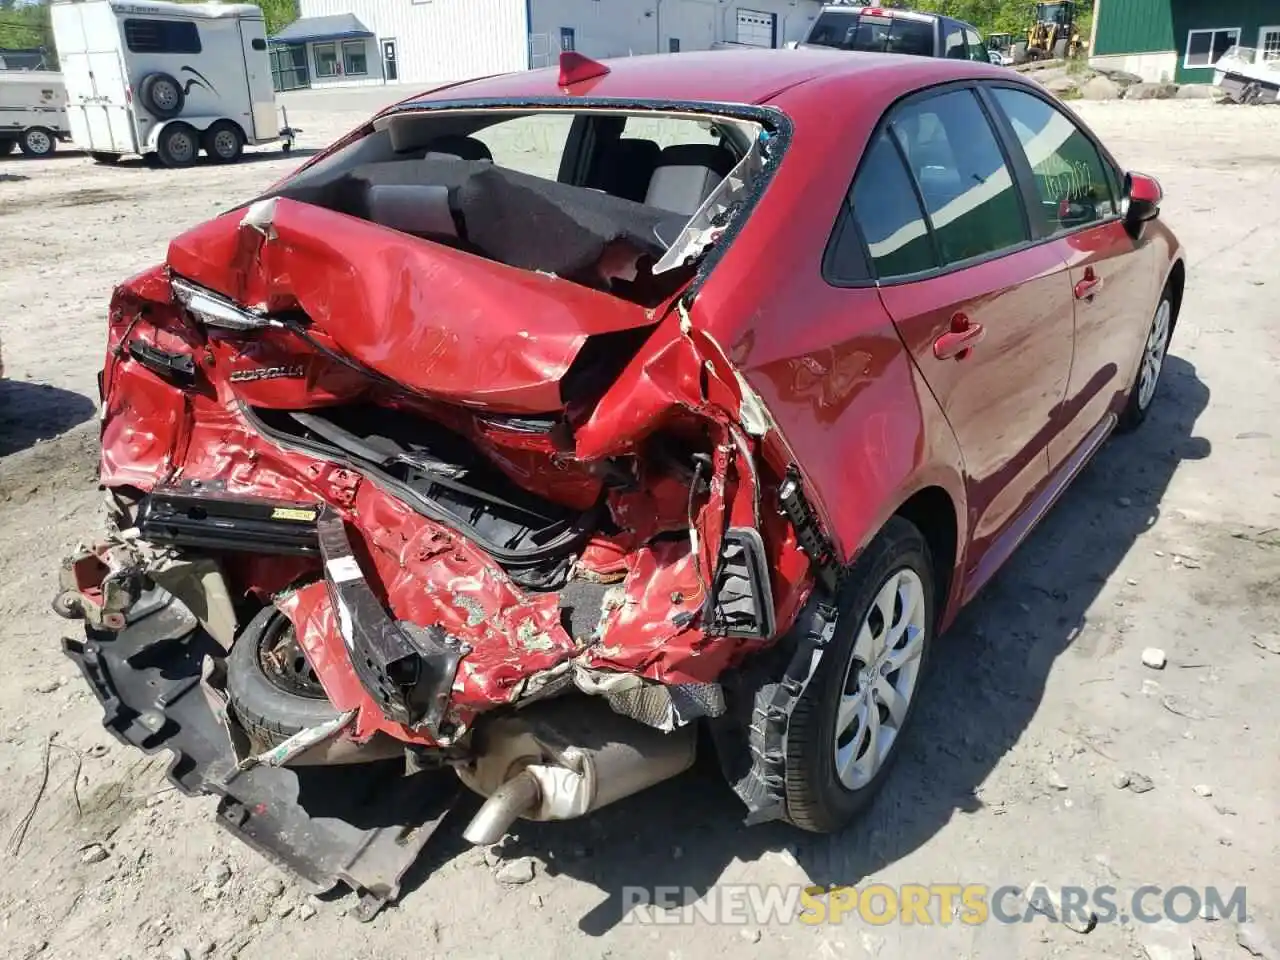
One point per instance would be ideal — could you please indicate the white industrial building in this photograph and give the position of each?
(355, 42)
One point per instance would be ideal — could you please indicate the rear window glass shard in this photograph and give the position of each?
(969, 192)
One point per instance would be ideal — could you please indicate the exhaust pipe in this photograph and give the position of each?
(565, 758)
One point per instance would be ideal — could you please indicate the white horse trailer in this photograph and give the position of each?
(33, 111)
(169, 79)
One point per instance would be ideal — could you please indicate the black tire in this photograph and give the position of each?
(105, 158)
(1138, 404)
(162, 95)
(1060, 49)
(270, 711)
(223, 142)
(7, 147)
(817, 800)
(38, 142)
(179, 145)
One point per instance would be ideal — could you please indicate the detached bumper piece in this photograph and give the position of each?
(186, 515)
(407, 669)
(362, 826)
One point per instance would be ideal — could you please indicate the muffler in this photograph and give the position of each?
(564, 758)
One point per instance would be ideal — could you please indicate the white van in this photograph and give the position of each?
(169, 79)
(33, 112)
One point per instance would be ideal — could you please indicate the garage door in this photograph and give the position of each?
(756, 29)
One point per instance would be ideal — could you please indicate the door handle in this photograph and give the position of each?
(959, 340)
(1089, 285)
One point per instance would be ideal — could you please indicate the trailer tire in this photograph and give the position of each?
(38, 142)
(100, 157)
(223, 142)
(162, 95)
(273, 704)
(178, 145)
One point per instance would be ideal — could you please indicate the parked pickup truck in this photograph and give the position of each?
(887, 30)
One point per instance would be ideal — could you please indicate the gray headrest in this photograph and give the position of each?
(411, 208)
(686, 175)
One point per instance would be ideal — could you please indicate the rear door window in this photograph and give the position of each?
(969, 192)
(1070, 176)
(953, 45)
(977, 49)
(887, 210)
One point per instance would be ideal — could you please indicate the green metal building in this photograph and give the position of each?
(1179, 40)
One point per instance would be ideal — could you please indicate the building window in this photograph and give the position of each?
(1269, 43)
(161, 36)
(756, 29)
(567, 39)
(673, 45)
(1205, 47)
(326, 56)
(355, 62)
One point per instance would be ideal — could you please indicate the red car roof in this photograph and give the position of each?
(724, 76)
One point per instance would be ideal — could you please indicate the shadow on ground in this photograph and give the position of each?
(34, 412)
(152, 162)
(990, 674)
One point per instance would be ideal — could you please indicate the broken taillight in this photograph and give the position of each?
(216, 311)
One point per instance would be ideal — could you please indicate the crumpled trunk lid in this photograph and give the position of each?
(440, 322)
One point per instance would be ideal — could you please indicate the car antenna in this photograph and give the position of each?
(575, 68)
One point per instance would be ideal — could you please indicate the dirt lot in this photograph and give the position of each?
(1168, 540)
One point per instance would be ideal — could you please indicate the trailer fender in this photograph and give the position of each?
(200, 123)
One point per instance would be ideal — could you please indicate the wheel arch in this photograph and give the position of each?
(1176, 284)
(932, 511)
(199, 124)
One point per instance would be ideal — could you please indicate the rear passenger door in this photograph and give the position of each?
(1076, 192)
(985, 312)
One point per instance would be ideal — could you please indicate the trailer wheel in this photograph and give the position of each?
(223, 142)
(162, 95)
(272, 688)
(179, 145)
(99, 157)
(38, 142)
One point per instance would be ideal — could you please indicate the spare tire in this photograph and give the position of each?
(162, 95)
(273, 690)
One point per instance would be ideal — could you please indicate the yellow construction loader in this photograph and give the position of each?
(1052, 34)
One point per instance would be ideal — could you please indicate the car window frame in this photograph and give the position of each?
(846, 207)
(1113, 173)
(1039, 228)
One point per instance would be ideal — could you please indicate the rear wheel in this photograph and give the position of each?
(179, 145)
(273, 689)
(846, 730)
(223, 142)
(1060, 49)
(38, 142)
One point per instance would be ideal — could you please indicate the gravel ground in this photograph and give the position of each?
(1040, 706)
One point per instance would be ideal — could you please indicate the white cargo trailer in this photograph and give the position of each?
(33, 111)
(169, 79)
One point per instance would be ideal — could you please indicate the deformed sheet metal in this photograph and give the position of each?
(362, 826)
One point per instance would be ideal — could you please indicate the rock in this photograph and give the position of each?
(1121, 77)
(210, 892)
(1197, 91)
(1151, 91)
(750, 934)
(94, 853)
(273, 887)
(516, 871)
(1042, 898)
(217, 873)
(1223, 809)
(1154, 658)
(48, 686)
(306, 911)
(1138, 783)
(1120, 780)
(1054, 779)
(1254, 939)
(284, 908)
(179, 953)
(1203, 790)
(1061, 84)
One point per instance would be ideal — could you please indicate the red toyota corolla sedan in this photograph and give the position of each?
(546, 418)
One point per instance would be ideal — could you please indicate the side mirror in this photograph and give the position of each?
(1142, 196)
